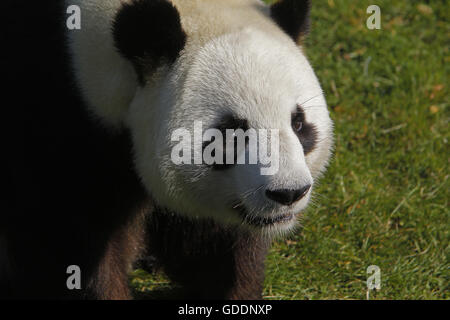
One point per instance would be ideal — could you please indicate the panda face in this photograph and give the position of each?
(243, 80)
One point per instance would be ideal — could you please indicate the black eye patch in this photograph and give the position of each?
(231, 123)
(305, 131)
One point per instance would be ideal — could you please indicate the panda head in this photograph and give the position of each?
(252, 78)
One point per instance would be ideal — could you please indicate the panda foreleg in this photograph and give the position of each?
(209, 261)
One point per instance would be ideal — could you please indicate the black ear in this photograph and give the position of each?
(148, 32)
(292, 16)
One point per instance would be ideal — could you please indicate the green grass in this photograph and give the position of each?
(384, 199)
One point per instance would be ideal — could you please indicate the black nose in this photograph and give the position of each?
(287, 197)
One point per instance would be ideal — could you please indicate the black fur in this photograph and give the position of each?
(148, 31)
(72, 193)
(292, 16)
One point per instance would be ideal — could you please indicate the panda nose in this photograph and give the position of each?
(287, 197)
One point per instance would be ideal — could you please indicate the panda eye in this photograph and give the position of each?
(297, 125)
(297, 121)
(306, 132)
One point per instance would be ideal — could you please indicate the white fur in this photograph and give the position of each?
(237, 61)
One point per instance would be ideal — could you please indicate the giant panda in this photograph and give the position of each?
(89, 117)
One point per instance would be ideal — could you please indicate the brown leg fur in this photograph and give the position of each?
(111, 281)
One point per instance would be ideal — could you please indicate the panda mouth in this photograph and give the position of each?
(263, 221)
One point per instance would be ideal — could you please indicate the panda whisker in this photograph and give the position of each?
(240, 204)
(321, 196)
(246, 195)
(322, 140)
(251, 192)
(313, 203)
(198, 176)
(310, 99)
(314, 106)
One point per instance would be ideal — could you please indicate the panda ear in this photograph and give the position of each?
(148, 33)
(292, 16)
